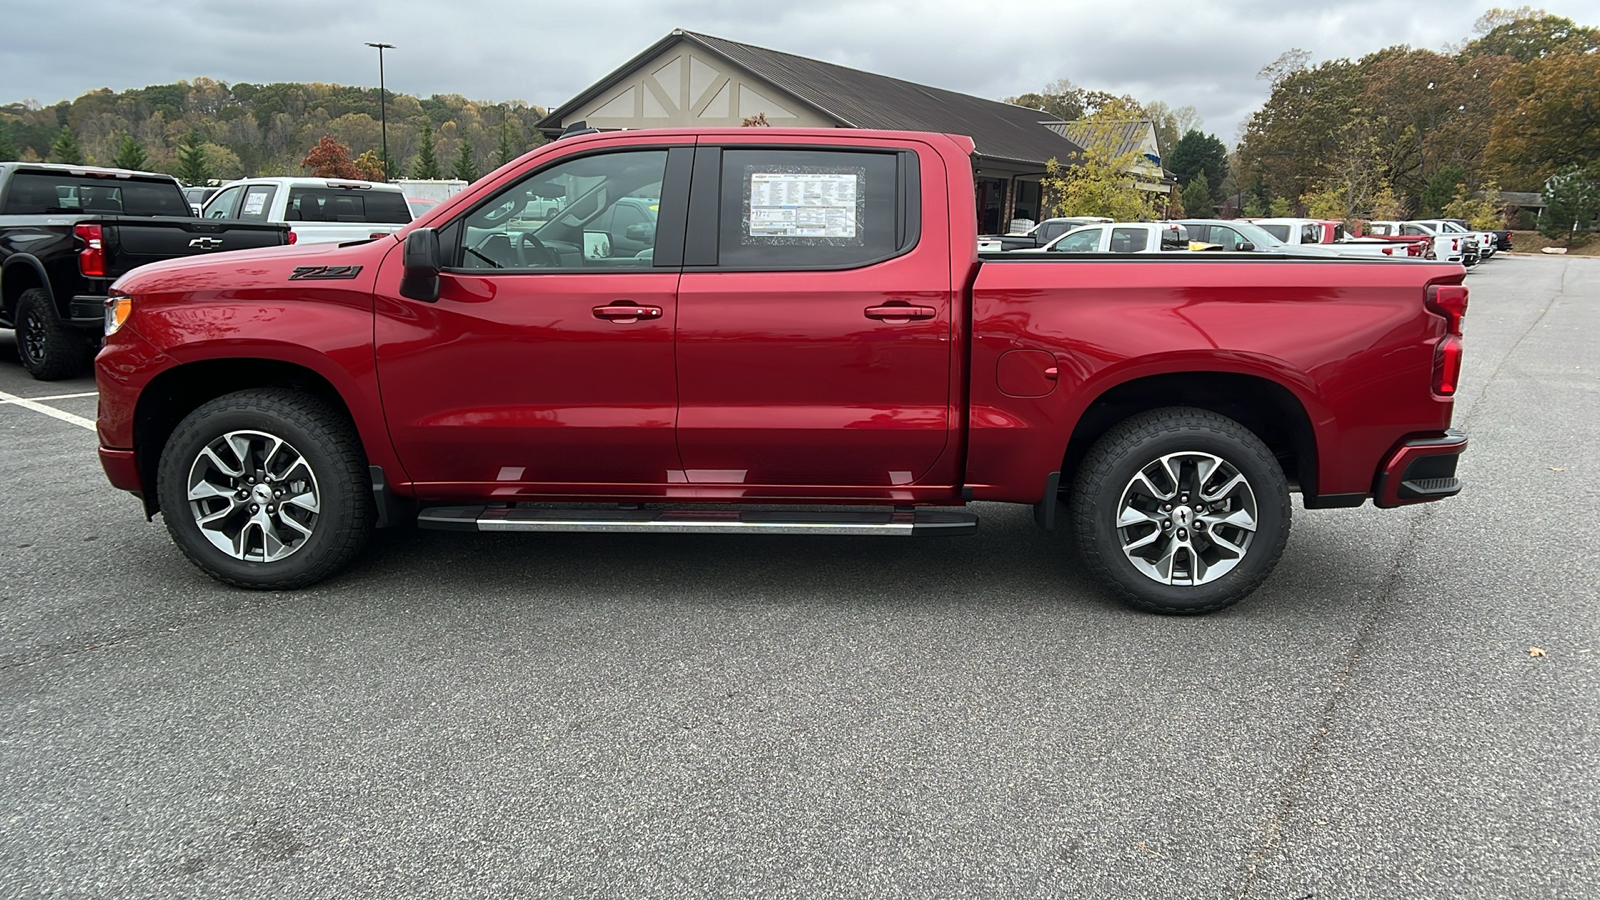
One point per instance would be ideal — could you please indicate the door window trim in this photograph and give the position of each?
(701, 246)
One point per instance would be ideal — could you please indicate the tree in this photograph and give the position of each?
(329, 159)
(1170, 124)
(465, 167)
(193, 167)
(369, 167)
(426, 165)
(1197, 197)
(759, 120)
(1291, 143)
(130, 154)
(1060, 98)
(1197, 155)
(1545, 118)
(1572, 202)
(505, 151)
(1485, 209)
(1103, 182)
(1441, 189)
(1527, 34)
(8, 150)
(65, 149)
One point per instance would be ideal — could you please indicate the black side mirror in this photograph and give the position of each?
(642, 232)
(421, 259)
(1246, 246)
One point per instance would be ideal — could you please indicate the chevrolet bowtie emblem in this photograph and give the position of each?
(205, 243)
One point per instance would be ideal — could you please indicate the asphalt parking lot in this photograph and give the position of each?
(670, 716)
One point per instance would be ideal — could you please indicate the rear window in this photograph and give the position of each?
(347, 205)
(1281, 232)
(38, 193)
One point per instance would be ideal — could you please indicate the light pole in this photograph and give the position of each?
(383, 113)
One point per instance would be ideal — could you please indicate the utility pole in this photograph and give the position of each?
(383, 111)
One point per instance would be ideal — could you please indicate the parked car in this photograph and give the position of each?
(1037, 236)
(197, 196)
(1242, 236)
(317, 210)
(1120, 237)
(66, 232)
(792, 342)
(1485, 239)
(1448, 245)
(1330, 235)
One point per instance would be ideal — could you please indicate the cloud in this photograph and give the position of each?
(1207, 56)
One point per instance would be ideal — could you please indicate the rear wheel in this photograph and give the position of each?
(1181, 511)
(266, 489)
(49, 349)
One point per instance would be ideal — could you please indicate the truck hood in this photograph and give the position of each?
(267, 261)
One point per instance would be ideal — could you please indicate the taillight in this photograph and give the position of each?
(92, 258)
(1450, 301)
(293, 237)
(1447, 365)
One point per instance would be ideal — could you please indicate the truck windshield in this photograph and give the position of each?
(38, 193)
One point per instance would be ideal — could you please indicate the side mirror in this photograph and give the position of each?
(1245, 246)
(421, 258)
(643, 232)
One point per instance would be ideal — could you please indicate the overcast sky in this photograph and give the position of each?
(1204, 54)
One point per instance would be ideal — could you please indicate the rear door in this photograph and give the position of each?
(814, 317)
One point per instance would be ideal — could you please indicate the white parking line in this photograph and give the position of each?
(57, 397)
(52, 412)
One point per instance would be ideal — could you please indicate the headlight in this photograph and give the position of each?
(117, 309)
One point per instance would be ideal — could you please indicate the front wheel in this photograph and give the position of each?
(1181, 511)
(266, 489)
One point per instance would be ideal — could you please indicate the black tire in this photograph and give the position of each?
(50, 350)
(1200, 575)
(339, 487)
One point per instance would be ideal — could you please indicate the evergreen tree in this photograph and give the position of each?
(1197, 197)
(130, 154)
(426, 165)
(505, 151)
(193, 167)
(1441, 189)
(66, 149)
(8, 150)
(391, 169)
(465, 168)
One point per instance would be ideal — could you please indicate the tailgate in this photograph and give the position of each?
(131, 243)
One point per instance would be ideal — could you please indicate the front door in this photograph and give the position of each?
(547, 363)
(814, 320)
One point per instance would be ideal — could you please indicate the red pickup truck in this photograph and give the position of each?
(769, 331)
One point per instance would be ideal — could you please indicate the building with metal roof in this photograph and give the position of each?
(698, 80)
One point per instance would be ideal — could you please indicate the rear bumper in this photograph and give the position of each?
(1421, 470)
(87, 312)
(121, 469)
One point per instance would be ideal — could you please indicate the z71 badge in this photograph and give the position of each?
(324, 273)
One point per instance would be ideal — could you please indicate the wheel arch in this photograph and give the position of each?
(21, 273)
(1267, 408)
(178, 391)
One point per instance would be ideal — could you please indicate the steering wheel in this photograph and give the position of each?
(532, 253)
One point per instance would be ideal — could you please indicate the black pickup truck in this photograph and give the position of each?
(67, 232)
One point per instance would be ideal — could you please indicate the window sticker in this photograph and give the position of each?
(254, 203)
(804, 205)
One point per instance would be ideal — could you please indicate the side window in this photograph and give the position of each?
(588, 213)
(1281, 232)
(1085, 241)
(221, 206)
(1227, 237)
(809, 209)
(1129, 240)
(257, 202)
(1202, 233)
(1308, 234)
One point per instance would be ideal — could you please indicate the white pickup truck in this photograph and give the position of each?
(1449, 244)
(1485, 239)
(1330, 236)
(317, 210)
(1118, 237)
